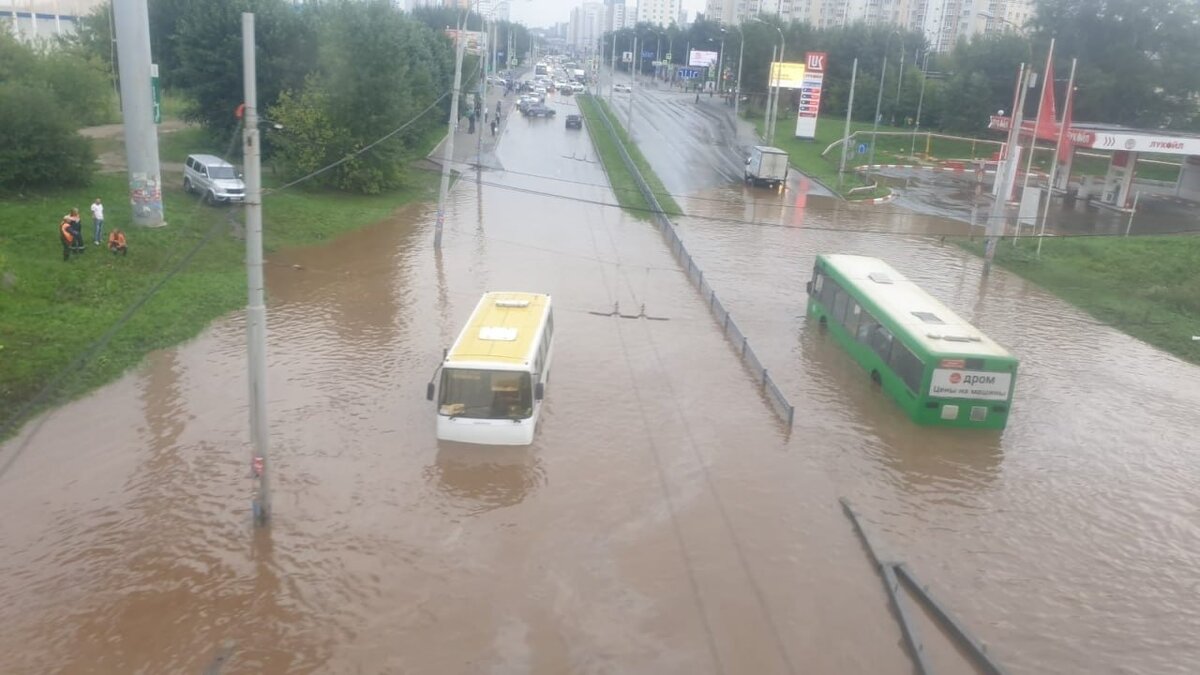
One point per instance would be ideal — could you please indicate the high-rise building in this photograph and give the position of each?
(658, 12)
(586, 26)
(943, 22)
(617, 15)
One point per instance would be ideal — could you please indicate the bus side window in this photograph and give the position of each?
(852, 317)
(829, 291)
(866, 329)
(907, 366)
(839, 307)
(881, 342)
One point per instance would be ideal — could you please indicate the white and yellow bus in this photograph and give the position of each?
(494, 377)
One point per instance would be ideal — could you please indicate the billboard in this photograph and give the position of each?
(787, 75)
(699, 59)
(474, 39)
(813, 81)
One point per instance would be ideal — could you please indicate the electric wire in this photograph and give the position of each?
(819, 228)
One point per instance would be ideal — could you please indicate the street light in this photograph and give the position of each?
(773, 91)
(879, 102)
(721, 63)
(737, 90)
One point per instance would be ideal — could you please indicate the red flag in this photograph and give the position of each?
(1047, 128)
(1064, 148)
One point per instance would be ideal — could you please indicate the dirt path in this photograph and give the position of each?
(112, 159)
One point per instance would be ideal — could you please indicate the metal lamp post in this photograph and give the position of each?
(879, 103)
(737, 90)
(772, 84)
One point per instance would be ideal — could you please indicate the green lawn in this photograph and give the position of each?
(620, 178)
(1148, 287)
(51, 311)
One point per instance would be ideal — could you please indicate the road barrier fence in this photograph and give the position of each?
(737, 339)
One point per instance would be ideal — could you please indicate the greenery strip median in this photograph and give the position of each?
(621, 179)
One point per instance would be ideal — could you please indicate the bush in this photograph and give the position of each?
(39, 144)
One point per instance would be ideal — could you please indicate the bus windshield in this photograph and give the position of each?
(485, 394)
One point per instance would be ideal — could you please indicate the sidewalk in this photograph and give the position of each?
(468, 151)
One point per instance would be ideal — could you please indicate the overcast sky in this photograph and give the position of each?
(539, 13)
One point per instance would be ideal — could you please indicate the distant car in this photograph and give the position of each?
(566, 90)
(624, 88)
(539, 110)
(574, 122)
(579, 87)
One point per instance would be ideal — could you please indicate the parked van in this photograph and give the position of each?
(214, 178)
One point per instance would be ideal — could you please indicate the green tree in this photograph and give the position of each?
(1138, 59)
(39, 144)
(208, 47)
(377, 70)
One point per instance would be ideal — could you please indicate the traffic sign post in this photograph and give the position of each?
(156, 93)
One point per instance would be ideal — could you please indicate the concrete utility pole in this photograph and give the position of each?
(612, 68)
(256, 311)
(849, 110)
(132, 23)
(448, 148)
(737, 90)
(1004, 180)
(632, 66)
(770, 97)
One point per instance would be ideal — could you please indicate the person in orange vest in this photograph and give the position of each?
(76, 230)
(116, 242)
(67, 234)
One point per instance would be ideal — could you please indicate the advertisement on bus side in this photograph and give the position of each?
(975, 384)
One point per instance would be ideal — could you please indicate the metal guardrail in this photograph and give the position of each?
(778, 402)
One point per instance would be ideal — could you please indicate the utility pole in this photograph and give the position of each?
(849, 110)
(132, 23)
(612, 68)
(920, 103)
(737, 90)
(775, 105)
(1062, 134)
(256, 311)
(448, 148)
(995, 224)
(632, 64)
(899, 82)
(770, 95)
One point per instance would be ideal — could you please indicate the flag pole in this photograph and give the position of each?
(1047, 81)
(1062, 132)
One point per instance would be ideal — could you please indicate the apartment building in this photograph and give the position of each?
(658, 12)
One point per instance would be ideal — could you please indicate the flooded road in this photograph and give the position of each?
(660, 522)
(1070, 542)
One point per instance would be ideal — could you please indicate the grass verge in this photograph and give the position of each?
(50, 311)
(1148, 287)
(623, 184)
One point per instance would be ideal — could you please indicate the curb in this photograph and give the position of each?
(950, 167)
(876, 200)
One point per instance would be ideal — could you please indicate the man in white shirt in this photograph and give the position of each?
(97, 220)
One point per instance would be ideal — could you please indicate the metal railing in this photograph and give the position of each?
(737, 339)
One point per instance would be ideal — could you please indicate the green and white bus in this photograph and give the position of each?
(940, 369)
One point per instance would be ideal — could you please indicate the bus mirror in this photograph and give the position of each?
(539, 391)
(429, 391)
(808, 287)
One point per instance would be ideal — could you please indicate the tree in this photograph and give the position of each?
(1138, 61)
(208, 46)
(39, 144)
(377, 70)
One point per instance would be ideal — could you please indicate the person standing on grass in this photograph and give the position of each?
(76, 224)
(66, 236)
(97, 220)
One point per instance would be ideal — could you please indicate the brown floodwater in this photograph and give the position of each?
(661, 522)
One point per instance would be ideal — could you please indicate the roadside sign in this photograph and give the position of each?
(689, 73)
(156, 93)
(667, 57)
(648, 54)
(862, 148)
(626, 57)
